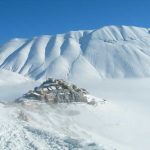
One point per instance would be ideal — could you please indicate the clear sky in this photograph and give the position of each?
(28, 18)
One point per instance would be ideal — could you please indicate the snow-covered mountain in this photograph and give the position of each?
(108, 52)
(120, 118)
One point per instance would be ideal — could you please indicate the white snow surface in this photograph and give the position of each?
(14, 85)
(107, 62)
(121, 122)
(108, 52)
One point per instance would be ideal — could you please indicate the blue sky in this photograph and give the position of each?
(28, 18)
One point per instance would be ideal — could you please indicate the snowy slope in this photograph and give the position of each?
(108, 52)
(42, 127)
(36, 125)
(14, 85)
(84, 58)
(120, 123)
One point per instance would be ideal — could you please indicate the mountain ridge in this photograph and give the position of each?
(108, 52)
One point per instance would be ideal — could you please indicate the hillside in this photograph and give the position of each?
(112, 63)
(108, 52)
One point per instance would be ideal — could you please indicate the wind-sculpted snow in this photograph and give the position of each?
(109, 52)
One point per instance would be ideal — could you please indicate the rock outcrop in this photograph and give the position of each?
(56, 91)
